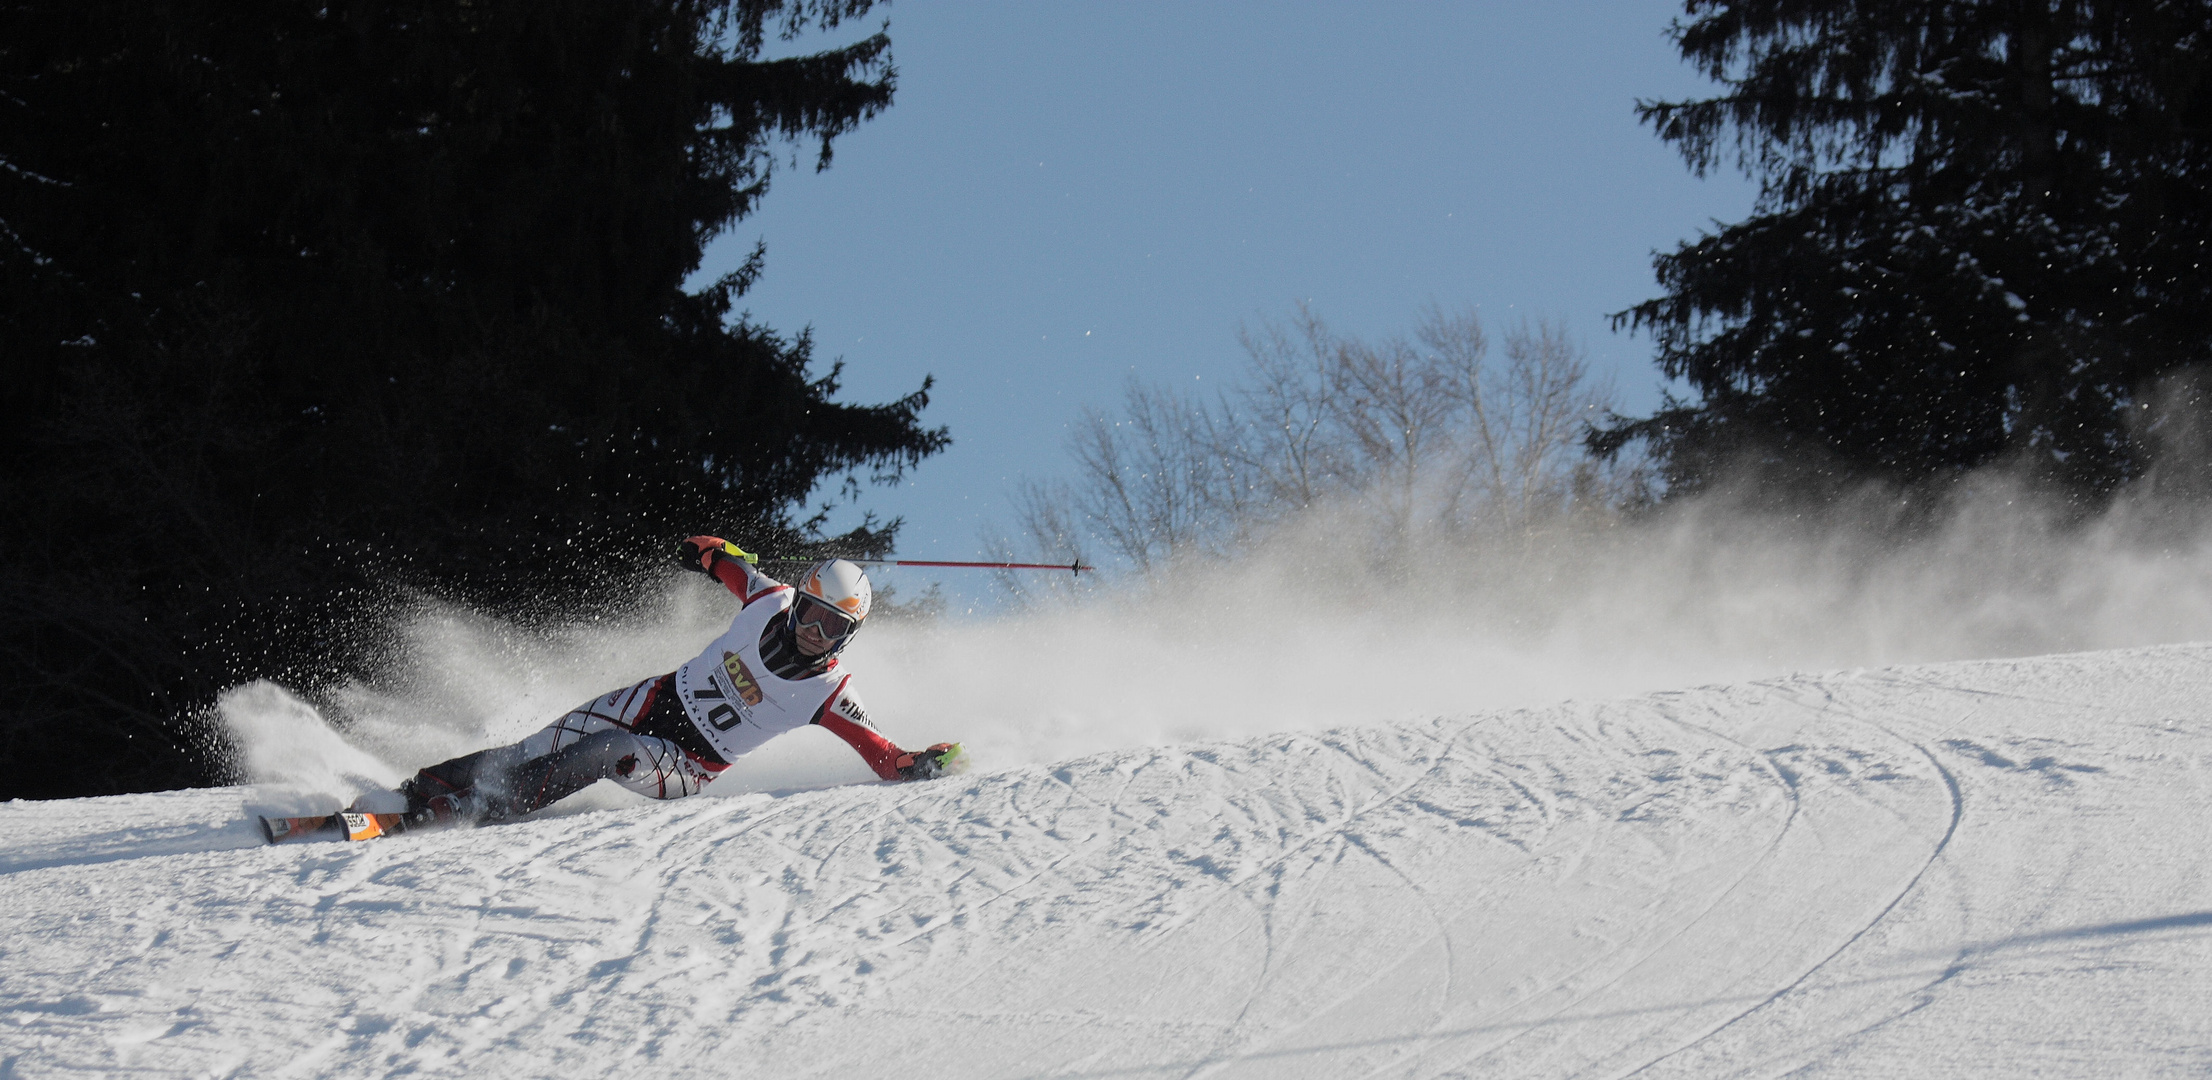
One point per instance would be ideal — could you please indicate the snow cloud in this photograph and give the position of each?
(1310, 630)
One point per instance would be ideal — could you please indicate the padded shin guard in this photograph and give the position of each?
(541, 782)
(487, 770)
(600, 739)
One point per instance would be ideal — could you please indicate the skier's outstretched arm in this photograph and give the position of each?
(711, 555)
(844, 718)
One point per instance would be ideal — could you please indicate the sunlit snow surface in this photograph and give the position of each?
(1976, 869)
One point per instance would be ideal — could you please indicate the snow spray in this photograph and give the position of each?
(294, 760)
(1295, 635)
(1291, 636)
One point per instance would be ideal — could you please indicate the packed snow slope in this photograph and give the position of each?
(1973, 869)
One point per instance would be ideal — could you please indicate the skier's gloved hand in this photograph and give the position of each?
(699, 552)
(928, 764)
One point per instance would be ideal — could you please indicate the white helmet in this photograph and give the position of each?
(842, 588)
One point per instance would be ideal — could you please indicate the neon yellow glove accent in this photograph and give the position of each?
(737, 552)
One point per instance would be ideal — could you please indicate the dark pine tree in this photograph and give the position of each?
(305, 302)
(1982, 236)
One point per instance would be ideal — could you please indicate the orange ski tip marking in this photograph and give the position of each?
(369, 826)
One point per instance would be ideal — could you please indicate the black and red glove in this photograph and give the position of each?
(928, 764)
(699, 552)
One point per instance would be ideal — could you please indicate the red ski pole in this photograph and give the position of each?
(1075, 568)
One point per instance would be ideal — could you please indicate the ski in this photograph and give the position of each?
(344, 825)
(282, 830)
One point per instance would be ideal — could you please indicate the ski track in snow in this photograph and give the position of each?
(1977, 869)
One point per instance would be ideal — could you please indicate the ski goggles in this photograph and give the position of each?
(827, 621)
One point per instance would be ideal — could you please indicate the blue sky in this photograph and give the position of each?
(1067, 195)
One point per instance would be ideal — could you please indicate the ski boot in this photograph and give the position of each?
(445, 810)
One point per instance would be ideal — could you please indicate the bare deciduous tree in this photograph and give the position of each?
(1524, 420)
(1286, 448)
(1410, 436)
(1153, 482)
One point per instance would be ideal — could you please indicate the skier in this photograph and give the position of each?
(774, 670)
